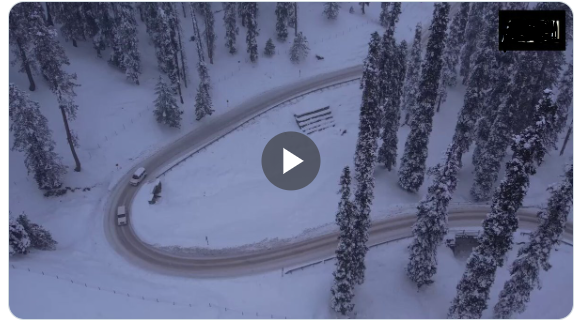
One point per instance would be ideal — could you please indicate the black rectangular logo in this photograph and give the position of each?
(532, 30)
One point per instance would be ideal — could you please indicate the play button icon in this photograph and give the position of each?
(290, 161)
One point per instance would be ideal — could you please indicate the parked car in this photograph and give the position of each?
(138, 176)
(122, 216)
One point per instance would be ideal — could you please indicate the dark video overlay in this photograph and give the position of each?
(532, 30)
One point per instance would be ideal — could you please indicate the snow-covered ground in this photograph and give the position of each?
(222, 193)
(115, 125)
(387, 293)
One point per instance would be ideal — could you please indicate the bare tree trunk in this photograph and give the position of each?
(178, 82)
(27, 67)
(241, 12)
(74, 43)
(566, 138)
(141, 12)
(184, 76)
(184, 9)
(175, 46)
(70, 140)
(49, 15)
(295, 18)
(197, 34)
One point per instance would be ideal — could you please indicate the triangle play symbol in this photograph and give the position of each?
(289, 161)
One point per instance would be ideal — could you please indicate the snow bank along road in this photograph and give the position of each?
(125, 241)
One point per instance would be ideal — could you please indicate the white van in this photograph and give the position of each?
(122, 216)
(138, 176)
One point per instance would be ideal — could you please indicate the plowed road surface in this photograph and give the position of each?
(125, 241)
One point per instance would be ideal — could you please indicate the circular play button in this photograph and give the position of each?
(291, 161)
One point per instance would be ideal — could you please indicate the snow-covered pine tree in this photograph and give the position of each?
(473, 29)
(33, 137)
(125, 54)
(40, 238)
(454, 44)
(384, 14)
(242, 10)
(392, 70)
(495, 241)
(431, 220)
(159, 31)
(100, 14)
(564, 99)
(365, 154)
(209, 30)
(21, 40)
(51, 57)
(442, 91)
(400, 79)
(386, 70)
(163, 26)
(454, 41)
(291, 7)
(18, 240)
(246, 9)
(331, 10)
(413, 163)
(293, 16)
(351, 10)
(148, 15)
(49, 9)
(402, 63)
(412, 74)
(535, 255)
(516, 102)
(203, 104)
(177, 44)
(480, 84)
(500, 80)
(69, 15)
(84, 21)
(547, 71)
(343, 286)
(204, 77)
(299, 50)
(395, 11)
(230, 23)
(197, 35)
(282, 20)
(252, 45)
(371, 68)
(254, 8)
(198, 6)
(167, 111)
(270, 48)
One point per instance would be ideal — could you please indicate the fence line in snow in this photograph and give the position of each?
(79, 283)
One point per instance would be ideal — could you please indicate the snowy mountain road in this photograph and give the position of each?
(237, 263)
